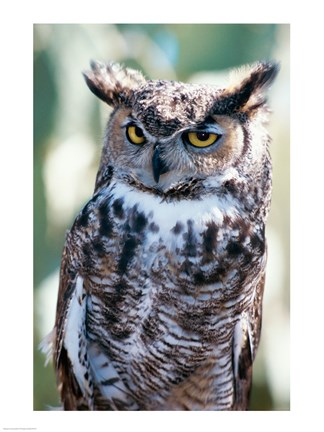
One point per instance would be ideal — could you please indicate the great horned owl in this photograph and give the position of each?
(161, 284)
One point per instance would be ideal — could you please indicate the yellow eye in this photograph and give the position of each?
(135, 134)
(201, 139)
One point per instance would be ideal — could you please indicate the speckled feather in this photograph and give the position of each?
(160, 298)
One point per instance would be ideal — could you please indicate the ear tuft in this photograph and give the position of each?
(247, 90)
(112, 83)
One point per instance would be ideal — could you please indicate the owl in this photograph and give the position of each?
(162, 275)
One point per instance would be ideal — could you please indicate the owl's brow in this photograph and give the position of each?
(130, 119)
(208, 120)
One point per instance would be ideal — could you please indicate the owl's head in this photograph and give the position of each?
(164, 133)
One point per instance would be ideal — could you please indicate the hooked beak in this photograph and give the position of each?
(159, 167)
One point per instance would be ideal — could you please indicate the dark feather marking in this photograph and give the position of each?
(201, 278)
(110, 381)
(154, 228)
(98, 246)
(209, 242)
(242, 382)
(230, 186)
(190, 249)
(140, 222)
(127, 254)
(106, 225)
(151, 329)
(178, 228)
(84, 217)
(117, 207)
(87, 251)
(68, 291)
(247, 259)
(121, 333)
(234, 249)
(111, 316)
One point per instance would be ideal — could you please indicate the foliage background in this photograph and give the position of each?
(68, 126)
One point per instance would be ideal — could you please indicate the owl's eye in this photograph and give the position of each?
(201, 139)
(135, 135)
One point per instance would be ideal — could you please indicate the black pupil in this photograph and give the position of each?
(202, 136)
(138, 132)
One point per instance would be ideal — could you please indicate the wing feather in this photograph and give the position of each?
(245, 343)
(70, 344)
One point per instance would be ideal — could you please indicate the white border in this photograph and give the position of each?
(16, 211)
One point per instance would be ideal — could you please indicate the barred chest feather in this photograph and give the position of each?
(165, 285)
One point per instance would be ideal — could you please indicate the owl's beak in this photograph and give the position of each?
(159, 166)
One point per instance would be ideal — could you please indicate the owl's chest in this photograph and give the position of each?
(143, 229)
(165, 280)
(141, 240)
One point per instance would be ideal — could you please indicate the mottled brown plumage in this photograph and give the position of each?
(160, 298)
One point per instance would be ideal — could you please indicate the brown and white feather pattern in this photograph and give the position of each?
(160, 299)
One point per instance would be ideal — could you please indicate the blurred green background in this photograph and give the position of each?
(68, 128)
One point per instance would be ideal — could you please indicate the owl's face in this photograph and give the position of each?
(164, 133)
